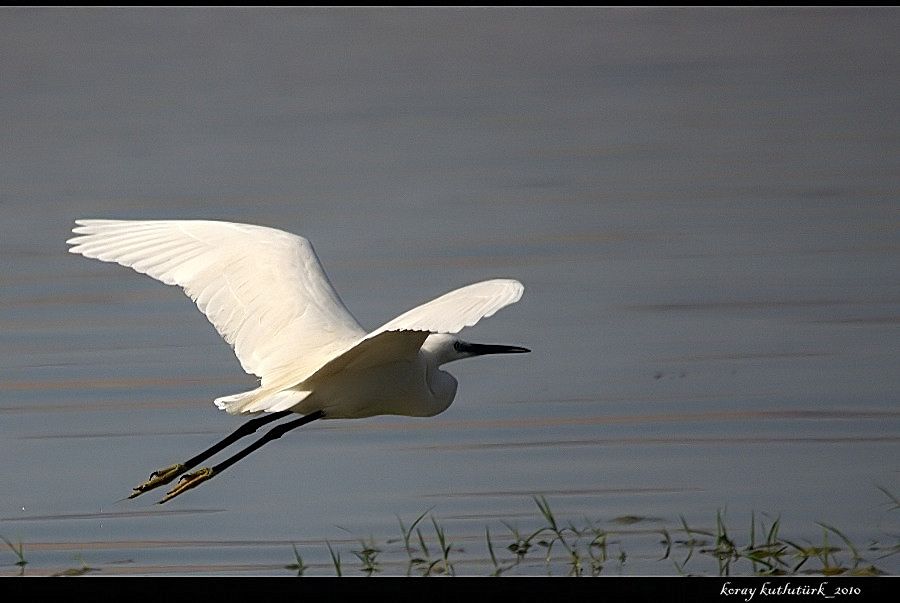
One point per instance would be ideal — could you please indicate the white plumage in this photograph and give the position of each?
(266, 293)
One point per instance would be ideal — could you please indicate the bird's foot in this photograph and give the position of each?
(191, 480)
(158, 478)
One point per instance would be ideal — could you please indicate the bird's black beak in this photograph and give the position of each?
(480, 349)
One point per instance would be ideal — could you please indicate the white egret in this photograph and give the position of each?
(266, 293)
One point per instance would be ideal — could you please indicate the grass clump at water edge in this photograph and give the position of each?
(587, 548)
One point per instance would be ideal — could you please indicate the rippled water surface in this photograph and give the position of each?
(702, 204)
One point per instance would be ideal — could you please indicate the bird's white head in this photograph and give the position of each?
(444, 348)
(440, 348)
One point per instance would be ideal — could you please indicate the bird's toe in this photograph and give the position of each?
(188, 481)
(158, 478)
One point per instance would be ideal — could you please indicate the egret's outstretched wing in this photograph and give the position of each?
(263, 289)
(449, 313)
(461, 308)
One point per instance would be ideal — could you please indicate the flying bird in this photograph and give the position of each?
(266, 293)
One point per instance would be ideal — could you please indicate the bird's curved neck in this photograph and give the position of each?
(442, 386)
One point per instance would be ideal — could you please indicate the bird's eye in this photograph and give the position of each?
(456, 346)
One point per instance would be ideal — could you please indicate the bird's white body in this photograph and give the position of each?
(265, 292)
(405, 387)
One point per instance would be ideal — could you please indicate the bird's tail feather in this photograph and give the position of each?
(259, 400)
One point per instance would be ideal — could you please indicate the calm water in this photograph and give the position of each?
(702, 204)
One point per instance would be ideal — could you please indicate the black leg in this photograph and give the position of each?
(243, 431)
(167, 474)
(194, 479)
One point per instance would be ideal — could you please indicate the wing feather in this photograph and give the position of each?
(453, 311)
(404, 335)
(263, 289)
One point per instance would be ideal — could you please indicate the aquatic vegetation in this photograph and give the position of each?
(80, 570)
(335, 558)
(367, 556)
(298, 564)
(19, 551)
(583, 549)
(554, 545)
